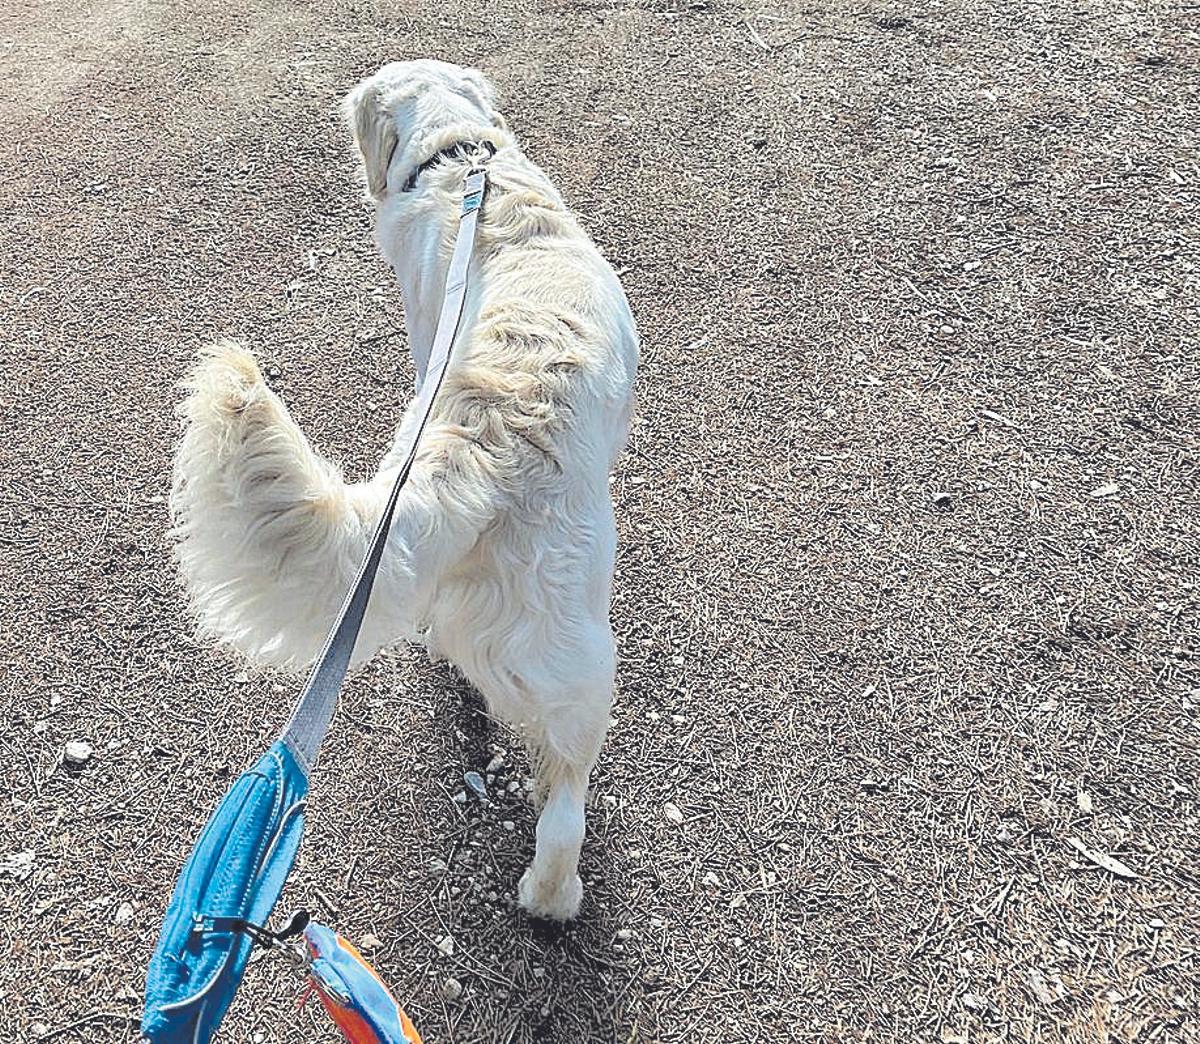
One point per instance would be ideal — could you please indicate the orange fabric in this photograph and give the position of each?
(354, 1028)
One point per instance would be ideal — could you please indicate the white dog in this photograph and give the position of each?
(501, 553)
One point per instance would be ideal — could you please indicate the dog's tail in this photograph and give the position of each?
(269, 537)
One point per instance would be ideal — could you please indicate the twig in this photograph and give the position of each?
(754, 35)
(78, 1023)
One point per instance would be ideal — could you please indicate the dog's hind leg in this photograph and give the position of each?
(564, 750)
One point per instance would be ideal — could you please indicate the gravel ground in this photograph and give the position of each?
(906, 601)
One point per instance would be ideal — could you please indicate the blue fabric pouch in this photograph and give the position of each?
(235, 873)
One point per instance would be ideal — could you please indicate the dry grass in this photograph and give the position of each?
(907, 593)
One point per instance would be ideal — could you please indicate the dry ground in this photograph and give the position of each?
(910, 520)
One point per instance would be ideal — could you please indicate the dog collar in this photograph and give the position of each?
(475, 152)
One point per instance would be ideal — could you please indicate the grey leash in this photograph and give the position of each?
(314, 709)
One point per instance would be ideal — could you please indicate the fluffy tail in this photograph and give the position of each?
(269, 536)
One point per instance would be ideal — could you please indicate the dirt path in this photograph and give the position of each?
(907, 592)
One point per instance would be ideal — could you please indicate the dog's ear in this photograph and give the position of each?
(374, 132)
(480, 88)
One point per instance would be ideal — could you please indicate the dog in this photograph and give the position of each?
(500, 557)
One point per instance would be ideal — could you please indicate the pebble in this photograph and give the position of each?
(508, 824)
(475, 781)
(624, 934)
(446, 946)
(124, 913)
(452, 989)
(369, 942)
(672, 812)
(496, 764)
(77, 752)
(460, 798)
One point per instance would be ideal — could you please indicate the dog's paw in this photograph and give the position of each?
(554, 900)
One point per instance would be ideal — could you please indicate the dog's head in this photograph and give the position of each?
(405, 106)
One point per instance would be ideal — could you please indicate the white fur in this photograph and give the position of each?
(501, 554)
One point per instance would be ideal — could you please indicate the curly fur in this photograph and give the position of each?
(501, 554)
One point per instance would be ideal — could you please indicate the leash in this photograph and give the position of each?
(232, 879)
(310, 719)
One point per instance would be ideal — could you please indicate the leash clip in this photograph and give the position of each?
(260, 934)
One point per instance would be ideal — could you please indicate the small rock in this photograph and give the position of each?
(241, 678)
(460, 798)
(673, 812)
(445, 946)
(496, 764)
(77, 752)
(1107, 490)
(475, 781)
(452, 989)
(1158, 924)
(624, 934)
(947, 329)
(508, 824)
(18, 865)
(369, 942)
(1084, 800)
(513, 786)
(711, 879)
(941, 499)
(1040, 987)
(974, 1002)
(124, 913)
